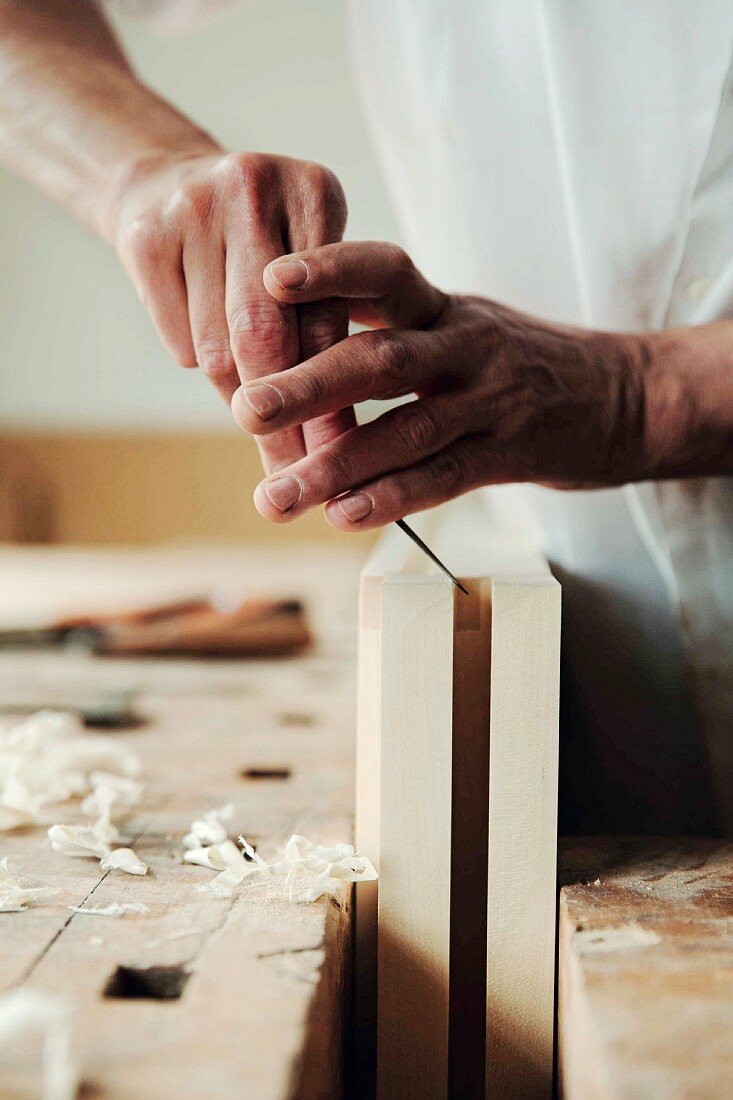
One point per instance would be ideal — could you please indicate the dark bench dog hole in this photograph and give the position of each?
(296, 718)
(152, 983)
(265, 773)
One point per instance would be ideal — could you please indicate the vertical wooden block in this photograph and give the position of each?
(521, 897)
(456, 806)
(415, 829)
(369, 688)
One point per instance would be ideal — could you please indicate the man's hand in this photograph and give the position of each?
(195, 234)
(193, 226)
(501, 397)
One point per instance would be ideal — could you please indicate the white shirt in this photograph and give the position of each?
(575, 160)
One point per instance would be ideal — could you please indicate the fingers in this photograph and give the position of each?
(156, 269)
(368, 365)
(263, 333)
(380, 273)
(317, 216)
(323, 324)
(203, 265)
(395, 440)
(457, 469)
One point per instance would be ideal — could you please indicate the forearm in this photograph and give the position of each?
(689, 401)
(74, 118)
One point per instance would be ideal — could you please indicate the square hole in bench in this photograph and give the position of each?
(273, 771)
(152, 983)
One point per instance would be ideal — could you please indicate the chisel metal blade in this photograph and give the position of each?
(426, 550)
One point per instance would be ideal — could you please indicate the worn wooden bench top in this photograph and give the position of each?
(646, 951)
(262, 1014)
(646, 970)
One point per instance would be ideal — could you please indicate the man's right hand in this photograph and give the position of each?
(196, 233)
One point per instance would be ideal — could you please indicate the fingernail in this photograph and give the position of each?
(356, 506)
(264, 399)
(284, 492)
(290, 274)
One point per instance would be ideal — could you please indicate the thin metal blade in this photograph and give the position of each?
(426, 550)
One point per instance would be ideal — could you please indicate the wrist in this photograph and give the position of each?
(688, 399)
(146, 156)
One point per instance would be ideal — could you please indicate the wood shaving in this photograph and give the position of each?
(114, 909)
(319, 868)
(124, 859)
(26, 1011)
(76, 840)
(209, 828)
(49, 758)
(217, 857)
(315, 868)
(14, 898)
(14, 818)
(129, 791)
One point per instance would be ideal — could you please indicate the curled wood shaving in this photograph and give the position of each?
(76, 840)
(124, 859)
(49, 758)
(216, 856)
(209, 828)
(317, 869)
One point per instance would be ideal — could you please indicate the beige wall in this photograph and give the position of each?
(138, 488)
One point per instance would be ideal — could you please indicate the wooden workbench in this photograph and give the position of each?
(263, 1012)
(646, 969)
(646, 927)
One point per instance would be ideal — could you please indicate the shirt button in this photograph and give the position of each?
(698, 288)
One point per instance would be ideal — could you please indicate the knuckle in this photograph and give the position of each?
(336, 470)
(418, 430)
(385, 353)
(326, 195)
(143, 241)
(398, 261)
(323, 327)
(251, 175)
(449, 470)
(215, 359)
(192, 202)
(392, 359)
(258, 327)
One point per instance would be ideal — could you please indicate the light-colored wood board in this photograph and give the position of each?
(646, 969)
(415, 827)
(263, 1012)
(369, 693)
(523, 763)
(494, 558)
(394, 554)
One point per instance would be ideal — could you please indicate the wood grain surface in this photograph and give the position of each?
(262, 1014)
(646, 969)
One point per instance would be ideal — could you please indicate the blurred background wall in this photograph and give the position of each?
(102, 437)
